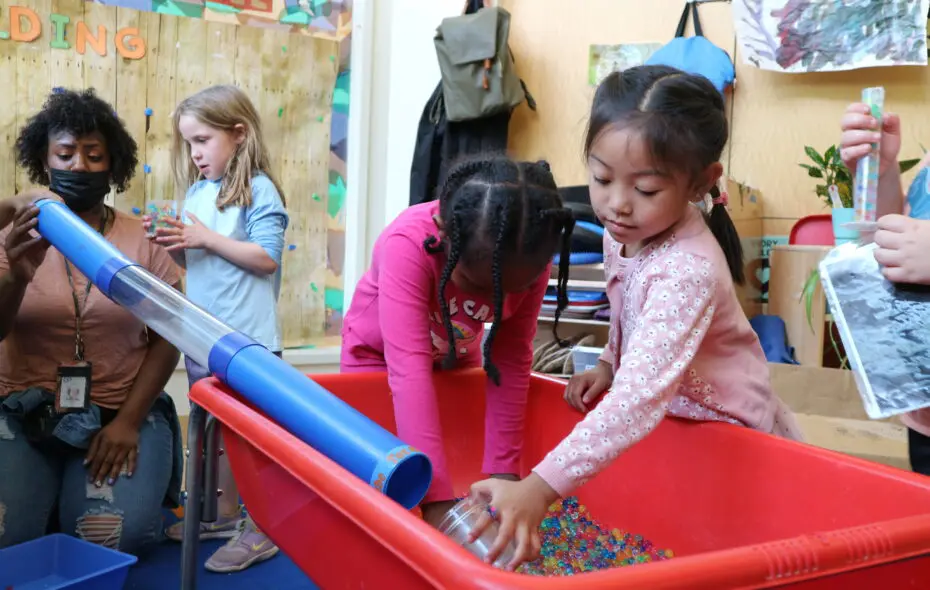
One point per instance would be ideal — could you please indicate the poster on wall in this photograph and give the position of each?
(329, 19)
(797, 36)
(604, 59)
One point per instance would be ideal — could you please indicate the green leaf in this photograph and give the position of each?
(813, 155)
(830, 154)
(845, 194)
(813, 172)
(807, 295)
(906, 165)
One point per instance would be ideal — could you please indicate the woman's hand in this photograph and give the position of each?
(116, 445)
(9, 207)
(520, 508)
(181, 236)
(861, 131)
(584, 389)
(25, 248)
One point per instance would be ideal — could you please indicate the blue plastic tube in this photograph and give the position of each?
(283, 393)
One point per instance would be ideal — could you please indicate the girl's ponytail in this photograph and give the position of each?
(723, 229)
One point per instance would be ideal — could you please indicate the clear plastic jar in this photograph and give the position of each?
(462, 519)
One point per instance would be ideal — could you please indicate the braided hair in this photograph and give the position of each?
(511, 211)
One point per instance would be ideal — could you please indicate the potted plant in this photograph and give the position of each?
(830, 170)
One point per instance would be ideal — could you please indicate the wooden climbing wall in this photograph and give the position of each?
(289, 77)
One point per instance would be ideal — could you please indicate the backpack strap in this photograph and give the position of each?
(530, 101)
(683, 21)
(473, 6)
(691, 6)
(698, 31)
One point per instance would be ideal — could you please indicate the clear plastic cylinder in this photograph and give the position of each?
(462, 519)
(168, 312)
(865, 190)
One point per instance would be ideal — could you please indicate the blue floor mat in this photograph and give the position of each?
(160, 569)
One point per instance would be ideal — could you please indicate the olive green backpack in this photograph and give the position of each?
(478, 76)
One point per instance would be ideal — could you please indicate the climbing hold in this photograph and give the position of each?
(148, 112)
(57, 90)
(316, 197)
(136, 211)
(314, 287)
(284, 48)
(292, 247)
(146, 168)
(332, 58)
(280, 112)
(320, 118)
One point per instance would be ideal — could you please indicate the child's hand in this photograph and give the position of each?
(861, 130)
(181, 236)
(585, 388)
(903, 244)
(520, 507)
(147, 225)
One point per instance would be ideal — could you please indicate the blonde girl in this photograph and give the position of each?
(230, 241)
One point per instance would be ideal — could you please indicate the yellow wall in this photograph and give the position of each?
(773, 115)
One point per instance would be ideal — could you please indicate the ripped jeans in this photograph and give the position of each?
(125, 516)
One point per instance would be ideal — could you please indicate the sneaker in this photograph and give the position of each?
(250, 547)
(223, 528)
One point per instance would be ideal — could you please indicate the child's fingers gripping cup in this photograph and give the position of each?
(159, 211)
(463, 518)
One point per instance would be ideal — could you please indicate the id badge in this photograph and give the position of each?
(73, 393)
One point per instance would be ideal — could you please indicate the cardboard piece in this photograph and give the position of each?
(831, 415)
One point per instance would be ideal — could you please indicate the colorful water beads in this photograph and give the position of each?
(574, 543)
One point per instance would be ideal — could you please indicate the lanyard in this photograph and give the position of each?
(79, 306)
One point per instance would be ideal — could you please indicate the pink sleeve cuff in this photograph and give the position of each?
(556, 477)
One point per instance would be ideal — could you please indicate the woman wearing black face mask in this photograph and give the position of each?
(84, 422)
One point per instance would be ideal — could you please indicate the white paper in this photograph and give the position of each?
(796, 36)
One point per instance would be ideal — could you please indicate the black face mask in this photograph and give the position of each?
(81, 191)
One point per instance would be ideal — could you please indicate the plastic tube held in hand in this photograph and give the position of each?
(286, 395)
(865, 190)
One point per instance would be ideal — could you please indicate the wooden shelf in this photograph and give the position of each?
(582, 277)
(790, 268)
(582, 272)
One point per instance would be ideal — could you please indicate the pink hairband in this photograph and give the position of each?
(723, 199)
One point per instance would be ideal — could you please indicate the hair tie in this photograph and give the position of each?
(723, 199)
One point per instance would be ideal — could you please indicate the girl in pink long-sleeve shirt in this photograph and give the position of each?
(680, 344)
(482, 253)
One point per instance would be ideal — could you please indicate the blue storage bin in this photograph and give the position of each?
(58, 561)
